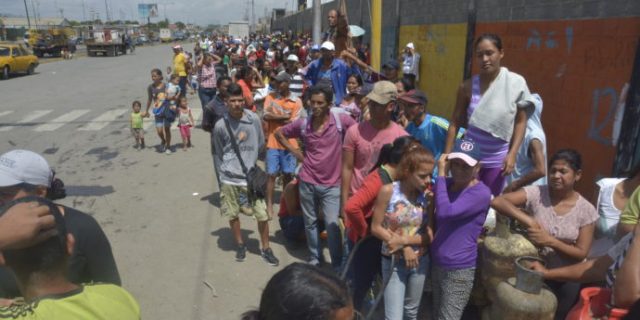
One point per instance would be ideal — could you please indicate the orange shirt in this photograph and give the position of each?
(247, 94)
(280, 106)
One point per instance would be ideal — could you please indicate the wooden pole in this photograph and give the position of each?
(376, 33)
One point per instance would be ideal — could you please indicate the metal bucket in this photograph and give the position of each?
(528, 280)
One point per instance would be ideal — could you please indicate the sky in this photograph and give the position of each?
(201, 12)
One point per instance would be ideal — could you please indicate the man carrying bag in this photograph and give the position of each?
(238, 137)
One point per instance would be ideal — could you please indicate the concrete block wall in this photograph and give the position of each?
(578, 54)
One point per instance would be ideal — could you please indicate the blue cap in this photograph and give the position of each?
(316, 47)
(467, 151)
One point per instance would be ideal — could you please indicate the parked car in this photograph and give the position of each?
(14, 57)
(141, 40)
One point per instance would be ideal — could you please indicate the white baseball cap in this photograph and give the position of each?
(292, 57)
(24, 166)
(328, 45)
(410, 45)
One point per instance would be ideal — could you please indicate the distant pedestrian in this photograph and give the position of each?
(136, 125)
(280, 108)
(207, 77)
(156, 96)
(411, 63)
(185, 123)
(330, 71)
(180, 67)
(213, 111)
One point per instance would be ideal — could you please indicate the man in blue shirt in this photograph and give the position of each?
(330, 71)
(430, 130)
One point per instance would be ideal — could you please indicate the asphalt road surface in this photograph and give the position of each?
(159, 211)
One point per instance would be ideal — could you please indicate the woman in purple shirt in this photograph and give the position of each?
(461, 204)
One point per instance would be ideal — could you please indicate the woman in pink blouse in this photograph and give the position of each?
(559, 221)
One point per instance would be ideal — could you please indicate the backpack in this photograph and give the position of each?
(336, 117)
(167, 113)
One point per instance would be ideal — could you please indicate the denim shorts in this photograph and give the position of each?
(280, 161)
(161, 122)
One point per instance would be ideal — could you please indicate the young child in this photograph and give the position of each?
(173, 90)
(185, 122)
(136, 125)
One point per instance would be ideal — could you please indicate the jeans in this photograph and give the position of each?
(451, 291)
(206, 95)
(292, 227)
(567, 294)
(326, 199)
(366, 265)
(183, 86)
(404, 290)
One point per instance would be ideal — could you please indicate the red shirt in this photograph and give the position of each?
(359, 207)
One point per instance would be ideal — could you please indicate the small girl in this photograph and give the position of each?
(400, 216)
(136, 125)
(185, 122)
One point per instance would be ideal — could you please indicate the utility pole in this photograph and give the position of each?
(106, 7)
(317, 21)
(84, 11)
(253, 16)
(27, 10)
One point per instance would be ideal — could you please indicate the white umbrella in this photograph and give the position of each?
(356, 31)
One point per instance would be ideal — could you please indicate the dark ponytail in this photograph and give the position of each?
(250, 315)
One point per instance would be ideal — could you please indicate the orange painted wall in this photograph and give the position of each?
(579, 67)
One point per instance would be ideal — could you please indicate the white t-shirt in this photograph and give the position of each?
(608, 217)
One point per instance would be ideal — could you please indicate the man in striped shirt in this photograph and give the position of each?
(297, 84)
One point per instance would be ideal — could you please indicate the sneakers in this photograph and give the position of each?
(268, 257)
(241, 253)
(167, 150)
(314, 262)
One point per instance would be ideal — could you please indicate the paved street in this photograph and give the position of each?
(159, 211)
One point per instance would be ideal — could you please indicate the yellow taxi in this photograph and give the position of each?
(14, 57)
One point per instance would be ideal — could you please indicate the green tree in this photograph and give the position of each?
(163, 24)
(180, 25)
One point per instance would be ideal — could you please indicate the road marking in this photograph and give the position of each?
(4, 113)
(103, 120)
(60, 121)
(27, 120)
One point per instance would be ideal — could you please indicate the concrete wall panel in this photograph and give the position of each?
(441, 47)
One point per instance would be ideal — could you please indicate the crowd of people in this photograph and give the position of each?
(392, 190)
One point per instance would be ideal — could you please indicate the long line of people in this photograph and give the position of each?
(414, 210)
(402, 192)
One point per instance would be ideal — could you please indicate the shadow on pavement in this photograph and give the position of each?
(214, 199)
(88, 191)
